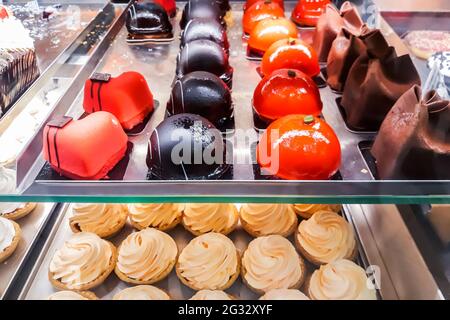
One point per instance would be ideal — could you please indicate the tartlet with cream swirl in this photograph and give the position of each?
(200, 218)
(262, 219)
(271, 262)
(162, 216)
(103, 219)
(209, 261)
(146, 257)
(326, 237)
(83, 262)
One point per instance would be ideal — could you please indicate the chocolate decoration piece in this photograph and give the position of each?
(205, 29)
(330, 24)
(375, 81)
(201, 9)
(414, 139)
(201, 93)
(186, 147)
(204, 55)
(148, 21)
(346, 48)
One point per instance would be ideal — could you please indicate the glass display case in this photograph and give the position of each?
(400, 222)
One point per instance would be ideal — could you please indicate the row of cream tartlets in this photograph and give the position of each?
(10, 232)
(211, 261)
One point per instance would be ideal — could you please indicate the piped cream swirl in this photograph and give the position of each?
(340, 280)
(82, 259)
(143, 292)
(156, 215)
(146, 255)
(8, 186)
(266, 219)
(210, 217)
(209, 261)
(307, 210)
(99, 218)
(284, 294)
(210, 295)
(7, 233)
(271, 262)
(326, 237)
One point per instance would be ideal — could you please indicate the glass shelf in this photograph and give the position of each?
(355, 183)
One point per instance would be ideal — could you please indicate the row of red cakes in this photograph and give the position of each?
(297, 144)
(378, 88)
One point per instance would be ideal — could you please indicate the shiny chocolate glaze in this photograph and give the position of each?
(204, 94)
(205, 29)
(204, 55)
(181, 146)
(203, 9)
(149, 19)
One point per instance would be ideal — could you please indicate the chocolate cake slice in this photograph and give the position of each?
(18, 64)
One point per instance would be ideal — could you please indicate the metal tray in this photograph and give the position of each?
(38, 287)
(157, 64)
(31, 226)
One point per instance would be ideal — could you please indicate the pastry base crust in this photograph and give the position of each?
(88, 295)
(224, 232)
(296, 285)
(75, 227)
(20, 212)
(122, 276)
(62, 286)
(160, 228)
(313, 260)
(5, 254)
(224, 287)
(248, 228)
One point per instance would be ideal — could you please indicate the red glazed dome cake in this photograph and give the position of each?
(307, 12)
(292, 54)
(268, 31)
(299, 147)
(127, 96)
(259, 11)
(84, 149)
(286, 92)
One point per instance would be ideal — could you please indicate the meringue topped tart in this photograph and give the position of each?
(10, 235)
(143, 292)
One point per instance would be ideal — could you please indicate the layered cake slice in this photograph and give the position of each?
(18, 65)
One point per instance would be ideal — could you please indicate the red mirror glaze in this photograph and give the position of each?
(268, 31)
(295, 149)
(258, 11)
(307, 12)
(290, 54)
(249, 3)
(286, 92)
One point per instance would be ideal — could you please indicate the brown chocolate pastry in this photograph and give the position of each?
(414, 139)
(375, 81)
(346, 48)
(330, 24)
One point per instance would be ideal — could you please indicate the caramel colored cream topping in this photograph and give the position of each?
(268, 219)
(210, 295)
(82, 259)
(210, 217)
(307, 210)
(99, 218)
(156, 215)
(271, 262)
(340, 280)
(326, 237)
(143, 292)
(209, 261)
(147, 254)
(66, 295)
